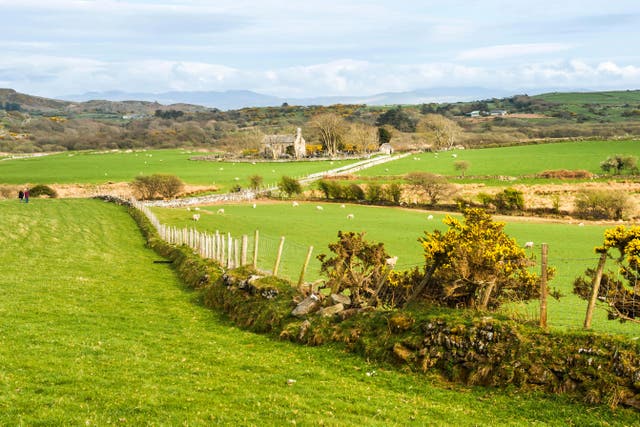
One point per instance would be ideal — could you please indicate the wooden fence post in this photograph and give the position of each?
(543, 285)
(245, 242)
(236, 252)
(596, 288)
(304, 266)
(277, 264)
(255, 250)
(229, 251)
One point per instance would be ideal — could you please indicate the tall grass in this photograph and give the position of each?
(92, 332)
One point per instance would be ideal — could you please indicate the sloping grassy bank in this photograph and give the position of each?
(464, 346)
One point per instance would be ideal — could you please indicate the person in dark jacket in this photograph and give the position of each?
(20, 195)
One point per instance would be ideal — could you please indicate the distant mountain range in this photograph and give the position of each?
(236, 99)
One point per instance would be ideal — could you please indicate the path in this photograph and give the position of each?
(251, 194)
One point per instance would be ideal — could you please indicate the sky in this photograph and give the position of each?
(306, 48)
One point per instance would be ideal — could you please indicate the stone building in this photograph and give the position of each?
(277, 146)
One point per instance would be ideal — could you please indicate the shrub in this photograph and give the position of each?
(394, 193)
(374, 193)
(289, 186)
(354, 192)
(601, 204)
(509, 200)
(255, 181)
(435, 186)
(619, 163)
(42, 190)
(156, 185)
(565, 174)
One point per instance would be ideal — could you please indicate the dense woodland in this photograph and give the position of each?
(32, 124)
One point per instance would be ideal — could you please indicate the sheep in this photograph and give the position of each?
(528, 245)
(254, 206)
(221, 211)
(342, 206)
(430, 217)
(188, 208)
(294, 204)
(196, 217)
(196, 209)
(391, 262)
(454, 155)
(350, 216)
(581, 224)
(319, 208)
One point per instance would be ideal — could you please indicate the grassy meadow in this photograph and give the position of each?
(124, 166)
(570, 246)
(511, 161)
(93, 332)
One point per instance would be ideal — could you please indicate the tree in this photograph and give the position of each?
(255, 181)
(475, 264)
(289, 186)
(618, 289)
(443, 131)
(331, 129)
(394, 193)
(384, 135)
(461, 166)
(363, 137)
(398, 118)
(358, 266)
(434, 186)
(509, 200)
(374, 192)
(618, 163)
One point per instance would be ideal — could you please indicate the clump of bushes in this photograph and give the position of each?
(156, 186)
(601, 204)
(42, 190)
(565, 174)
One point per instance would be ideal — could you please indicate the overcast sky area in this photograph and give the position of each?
(316, 48)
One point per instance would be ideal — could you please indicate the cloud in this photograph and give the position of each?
(512, 50)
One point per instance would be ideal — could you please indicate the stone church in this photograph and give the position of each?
(277, 146)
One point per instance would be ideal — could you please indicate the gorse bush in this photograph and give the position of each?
(601, 204)
(156, 186)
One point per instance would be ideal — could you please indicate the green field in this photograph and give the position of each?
(95, 168)
(511, 161)
(617, 97)
(570, 246)
(92, 332)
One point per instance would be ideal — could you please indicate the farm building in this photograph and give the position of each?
(498, 112)
(276, 146)
(386, 148)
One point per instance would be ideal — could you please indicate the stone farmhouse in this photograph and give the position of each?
(277, 146)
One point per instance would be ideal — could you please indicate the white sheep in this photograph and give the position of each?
(196, 217)
(342, 206)
(581, 224)
(188, 208)
(294, 204)
(221, 211)
(528, 245)
(391, 262)
(320, 208)
(454, 155)
(430, 217)
(350, 216)
(254, 206)
(196, 209)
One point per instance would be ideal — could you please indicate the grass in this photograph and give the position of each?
(94, 333)
(512, 161)
(570, 246)
(607, 97)
(121, 166)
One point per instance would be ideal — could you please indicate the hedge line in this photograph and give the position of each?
(463, 346)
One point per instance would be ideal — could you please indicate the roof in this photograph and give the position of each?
(279, 139)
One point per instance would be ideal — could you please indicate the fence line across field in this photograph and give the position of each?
(264, 252)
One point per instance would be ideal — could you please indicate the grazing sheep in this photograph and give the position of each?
(528, 245)
(196, 217)
(350, 216)
(188, 208)
(196, 209)
(342, 206)
(430, 217)
(221, 211)
(391, 262)
(454, 155)
(319, 208)
(294, 204)
(254, 206)
(581, 224)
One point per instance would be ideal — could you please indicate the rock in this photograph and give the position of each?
(309, 305)
(349, 312)
(303, 329)
(340, 299)
(331, 310)
(253, 278)
(402, 352)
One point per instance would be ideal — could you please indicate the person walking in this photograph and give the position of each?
(26, 195)
(20, 195)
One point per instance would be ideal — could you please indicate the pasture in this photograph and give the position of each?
(525, 160)
(570, 245)
(124, 166)
(92, 332)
